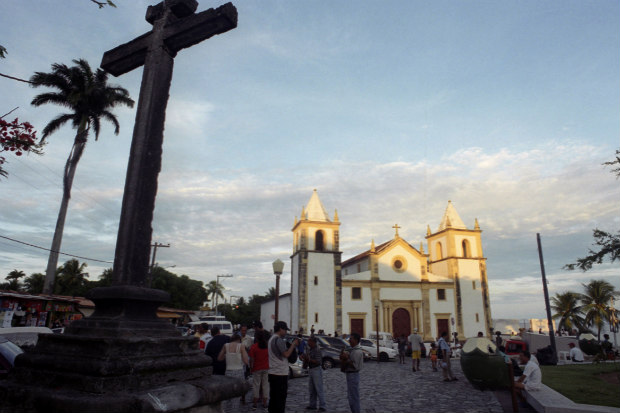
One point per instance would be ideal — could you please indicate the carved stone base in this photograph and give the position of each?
(122, 358)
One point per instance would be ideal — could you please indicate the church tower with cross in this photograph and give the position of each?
(316, 287)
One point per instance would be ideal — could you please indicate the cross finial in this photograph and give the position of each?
(396, 228)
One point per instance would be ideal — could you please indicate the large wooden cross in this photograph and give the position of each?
(175, 27)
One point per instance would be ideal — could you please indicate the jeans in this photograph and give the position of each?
(315, 385)
(353, 391)
(278, 388)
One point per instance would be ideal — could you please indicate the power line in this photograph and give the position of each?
(59, 252)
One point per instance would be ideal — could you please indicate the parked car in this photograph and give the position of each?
(8, 352)
(385, 339)
(385, 353)
(331, 347)
(225, 326)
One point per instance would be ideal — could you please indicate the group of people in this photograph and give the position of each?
(439, 353)
(266, 359)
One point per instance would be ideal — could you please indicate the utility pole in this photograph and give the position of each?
(155, 246)
(554, 357)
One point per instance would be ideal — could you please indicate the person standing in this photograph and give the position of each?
(416, 342)
(314, 359)
(213, 350)
(236, 359)
(444, 348)
(402, 348)
(278, 367)
(352, 359)
(202, 332)
(259, 365)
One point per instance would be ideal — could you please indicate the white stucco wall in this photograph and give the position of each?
(321, 297)
(471, 299)
(267, 312)
(401, 294)
(412, 265)
(294, 293)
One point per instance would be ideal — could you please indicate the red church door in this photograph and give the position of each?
(401, 323)
(443, 325)
(357, 326)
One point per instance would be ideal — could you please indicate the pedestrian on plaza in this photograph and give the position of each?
(236, 358)
(278, 367)
(402, 348)
(247, 342)
(301, 349)
(444, 348)
(213, 350)
(531, 379)
(202, 332)
(313, 359)
(433, 354)
(352, 360)
(575, 353)
(415, 341)
(259, 365)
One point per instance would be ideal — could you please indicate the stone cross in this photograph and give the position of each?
(396, 227)
(175, 27)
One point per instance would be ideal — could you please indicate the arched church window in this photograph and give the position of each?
(438, 251)
(319, 244)
(466, 251)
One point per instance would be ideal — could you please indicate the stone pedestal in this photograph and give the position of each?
(121, 359)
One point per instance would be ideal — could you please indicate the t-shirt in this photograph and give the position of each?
(204, 340)
(533, 376)
(576, 354)
(260, 358)
(278, 364)
(444, 346)
(415, 341)
(356, 355)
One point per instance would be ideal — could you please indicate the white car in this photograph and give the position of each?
(385, 353)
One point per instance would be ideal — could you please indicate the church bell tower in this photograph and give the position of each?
(316, 283)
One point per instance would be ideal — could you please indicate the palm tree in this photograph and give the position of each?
(34, 283)
(214, 289)
(89, 99)
(568, 309)
(71, 278)
(13, 278)
(596, 299)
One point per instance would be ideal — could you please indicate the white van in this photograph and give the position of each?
(224, 326)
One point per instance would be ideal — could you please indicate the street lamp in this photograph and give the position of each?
(377, 305)
(216, 286)
(278, 266)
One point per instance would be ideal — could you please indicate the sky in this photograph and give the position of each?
(389, 109)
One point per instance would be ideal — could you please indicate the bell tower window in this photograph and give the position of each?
(319, 243)
(466, 251)
(438, 251)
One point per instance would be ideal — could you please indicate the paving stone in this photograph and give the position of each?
(392, 387)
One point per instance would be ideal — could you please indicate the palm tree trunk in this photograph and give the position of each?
(70, 167)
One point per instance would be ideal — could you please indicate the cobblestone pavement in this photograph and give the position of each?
(391, 387)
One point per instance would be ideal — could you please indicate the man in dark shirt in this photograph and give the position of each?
(213, 350)
(314, 359)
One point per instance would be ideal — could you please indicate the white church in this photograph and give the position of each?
(445, 289)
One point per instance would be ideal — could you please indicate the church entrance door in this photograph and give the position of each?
(443, 325)
(357, 326)
(401, 323)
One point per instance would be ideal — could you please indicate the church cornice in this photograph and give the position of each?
(397, 284)
(459, 258)
(469, 231)
(315, 223)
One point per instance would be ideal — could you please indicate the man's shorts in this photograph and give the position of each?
(415, 354)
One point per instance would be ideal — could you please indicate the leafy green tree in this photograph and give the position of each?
(271, 293)
(89, 99)
(71, 279)
(185, 293)
(34, 283)
(608, 242)
(569, 311)
(596, 299)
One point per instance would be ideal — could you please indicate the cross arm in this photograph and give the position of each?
(194, 29)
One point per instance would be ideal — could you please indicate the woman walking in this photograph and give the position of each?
(259, 365)
(236, 357)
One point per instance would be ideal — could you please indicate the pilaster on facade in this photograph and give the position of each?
(485, 298)
(426, 313)
(458, 299)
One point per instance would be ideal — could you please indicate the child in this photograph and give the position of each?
(433, 353)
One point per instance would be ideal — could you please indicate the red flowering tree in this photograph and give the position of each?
(16, 137)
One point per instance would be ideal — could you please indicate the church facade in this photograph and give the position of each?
(392, 284)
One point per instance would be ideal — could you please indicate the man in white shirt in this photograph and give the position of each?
(278, 367)
(531, 380)
(416, 342)
(575, 353)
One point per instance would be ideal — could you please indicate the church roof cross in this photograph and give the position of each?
(396, 228)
